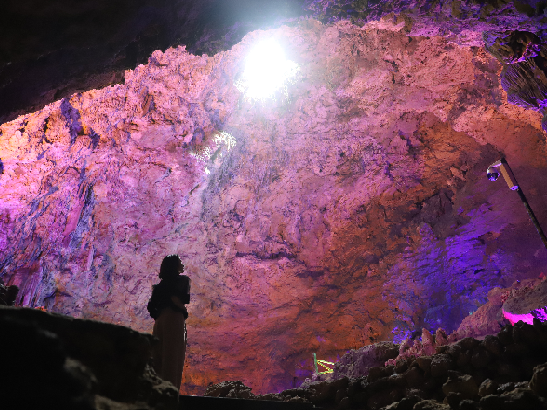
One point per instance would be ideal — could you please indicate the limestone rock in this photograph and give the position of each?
(526, 83)
(539, 381)
(463, 385)
(338, 219)
(234, 389)
(516, 46)
(488, 387)
(357, 363)
(441, 364)
(534, 305)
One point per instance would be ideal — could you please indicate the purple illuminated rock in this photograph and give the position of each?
(526, 308)
(352, 209)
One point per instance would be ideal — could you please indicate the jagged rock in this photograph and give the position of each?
(516, 46)
(376, 373)
(383, 398)
(526, 83)
(357, 363)
(488, 387)
(480, 358)
(463, 385)
(78, 360)
(233, 389)
(414, 377)
(338, 215)
(441, 364)
(506, 336)
(522, 398)
(425, 363)
(430, 405)
(539, 380)
(496, 381)
(406, 403)
(492, 344)
(529, 307)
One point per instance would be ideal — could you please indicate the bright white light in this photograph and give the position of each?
(266, 71)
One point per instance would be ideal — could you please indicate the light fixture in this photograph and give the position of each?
(493, 174)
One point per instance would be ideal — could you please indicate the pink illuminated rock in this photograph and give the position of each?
(532, 305)
(351, 209)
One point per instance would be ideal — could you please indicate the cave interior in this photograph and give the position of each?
(344, 203)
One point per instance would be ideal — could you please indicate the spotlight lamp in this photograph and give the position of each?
(502, 167)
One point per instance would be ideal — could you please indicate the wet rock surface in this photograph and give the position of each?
(80, 364)
(353, 208)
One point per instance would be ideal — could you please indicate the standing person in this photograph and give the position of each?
(166, 306)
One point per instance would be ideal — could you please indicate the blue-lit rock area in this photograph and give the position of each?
(351, 208)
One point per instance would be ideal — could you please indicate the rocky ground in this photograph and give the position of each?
(503, 371)
(52, 361)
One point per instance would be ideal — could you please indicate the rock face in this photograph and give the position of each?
(52, 50)
(352, 208)
(80, 364)
(533, 306)
(8, 294)
(357, 363)
(504, 371)
(524, 74)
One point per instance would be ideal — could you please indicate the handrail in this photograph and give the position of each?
(327, 365)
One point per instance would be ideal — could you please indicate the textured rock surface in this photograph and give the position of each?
(512, 377)
(524, 74)
(507, 377)
(353, 209)
(79, 363)
(357, 363)
(50, 50)
(461, 21)
(534, 305)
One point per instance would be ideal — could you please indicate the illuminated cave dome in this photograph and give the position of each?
(355, 211)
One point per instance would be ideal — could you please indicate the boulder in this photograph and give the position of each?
(538, 384)
(80, 363)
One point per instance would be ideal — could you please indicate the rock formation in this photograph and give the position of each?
(55, 361)
(352, 208)
(504, 371)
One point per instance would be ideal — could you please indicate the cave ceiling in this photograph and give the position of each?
(350, 208)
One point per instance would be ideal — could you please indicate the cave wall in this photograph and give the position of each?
(51, 50)
(350, 209)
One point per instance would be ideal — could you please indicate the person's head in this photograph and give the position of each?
(171, 266)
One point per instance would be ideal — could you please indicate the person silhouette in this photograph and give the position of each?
(167, 308)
